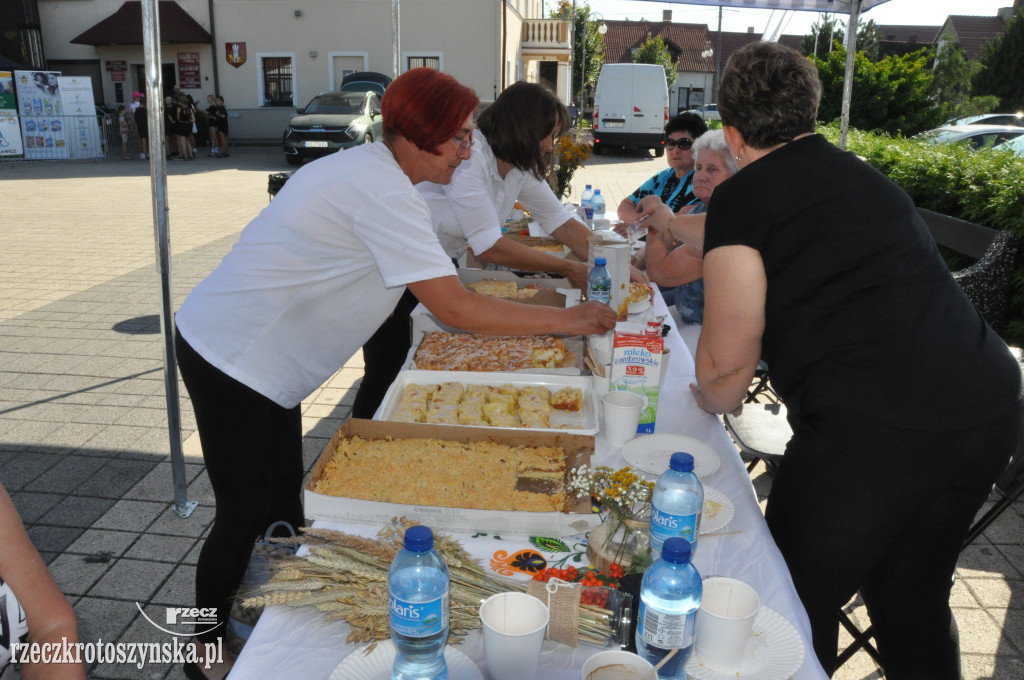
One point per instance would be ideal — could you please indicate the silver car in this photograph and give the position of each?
(978, 136)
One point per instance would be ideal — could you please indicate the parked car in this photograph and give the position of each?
(993, 119)
(707, 112)
(978, 136)
(1016, 145)
(363, 81)
(332, 121)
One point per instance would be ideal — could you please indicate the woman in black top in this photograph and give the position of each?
(905, 406)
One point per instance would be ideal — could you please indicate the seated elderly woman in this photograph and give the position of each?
(671, 262)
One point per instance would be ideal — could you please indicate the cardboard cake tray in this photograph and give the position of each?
(551, 298)
(426, 322)
(576, 518)
(583, 421)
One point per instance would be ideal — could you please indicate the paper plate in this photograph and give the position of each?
(651, 453)
(377, 664)
(717, 513)
(775, 651)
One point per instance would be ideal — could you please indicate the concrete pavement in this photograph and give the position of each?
(83, 438)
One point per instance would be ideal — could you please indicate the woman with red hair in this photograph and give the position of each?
(310, 279)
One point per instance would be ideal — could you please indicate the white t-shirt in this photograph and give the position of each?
(478, 201)
(314, 275)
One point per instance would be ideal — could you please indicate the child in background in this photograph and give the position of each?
(122, 126)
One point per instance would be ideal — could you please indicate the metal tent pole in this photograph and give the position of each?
(158, 182)
(851, 54)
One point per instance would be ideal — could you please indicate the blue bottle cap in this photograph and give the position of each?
(676, 550)
(681, 462)
(419, 538)
(600, 261)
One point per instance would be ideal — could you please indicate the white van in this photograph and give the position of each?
(631, 107)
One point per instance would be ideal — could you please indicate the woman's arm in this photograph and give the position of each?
(50, 617)
(628, 211)
(509, 253)
(454, 305)
(575, 234)
(735, 289)
(669, 266)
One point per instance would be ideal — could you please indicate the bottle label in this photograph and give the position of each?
(664, 629)
(418, 619)
(665, 526)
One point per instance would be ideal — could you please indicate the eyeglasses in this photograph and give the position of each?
(683, 143)
(463, 143)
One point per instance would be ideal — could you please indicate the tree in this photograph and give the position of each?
(655, 51)
(586, 41)
(1002, 62)
(869, 39)
(891, 95)
(823, 34)
(951, 83)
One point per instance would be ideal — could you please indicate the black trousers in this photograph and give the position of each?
(383, 356)
(253, 453)
(859, 505)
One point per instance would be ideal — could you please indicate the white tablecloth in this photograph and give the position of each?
(289, 643)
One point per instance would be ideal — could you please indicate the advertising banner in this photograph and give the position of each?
(84, 134)
(10, 131)
(42, 114)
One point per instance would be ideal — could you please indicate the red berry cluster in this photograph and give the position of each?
(594, 582)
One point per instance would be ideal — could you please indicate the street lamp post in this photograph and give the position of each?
(708, 52)
(602, 29)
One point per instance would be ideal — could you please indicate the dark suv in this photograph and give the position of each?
(332, 121)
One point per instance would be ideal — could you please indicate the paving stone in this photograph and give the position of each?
(134, 580)
(51, 538)
(77, 511)
(161, 548)
(103, 619)
(979, 634)
(75, 574)
(179, 590)
(26, 467)
(159, 483)
(194, 525)
(140, 631)
(67, 475)
(129, 515)
(103, 544)
(116, 478)
(31, 506)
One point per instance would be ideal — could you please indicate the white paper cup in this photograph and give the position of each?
(615, 665)
(602, 346)
(621, 415)
(726, 617)
(601, 384)
(513, 626)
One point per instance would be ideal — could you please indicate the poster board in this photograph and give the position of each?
(10, 131)
(42, 114)
(84, 134)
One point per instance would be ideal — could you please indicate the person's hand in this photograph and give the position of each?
(660, 214)
(698, 394)
(638, 276)
(621, 228)
(590, 318)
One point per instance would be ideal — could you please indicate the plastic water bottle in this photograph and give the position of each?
(669, 599)
(587, 206)
(598, 206)
(677, 502)
(418, 601)
(599, 282)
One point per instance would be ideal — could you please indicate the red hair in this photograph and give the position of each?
(426, 107)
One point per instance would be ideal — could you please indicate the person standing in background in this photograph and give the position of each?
(122, 128)
(220, 119)
(211, 124)
(142, 128)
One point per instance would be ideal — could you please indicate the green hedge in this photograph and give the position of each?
(983, 187)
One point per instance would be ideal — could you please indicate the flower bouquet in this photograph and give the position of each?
(622, 538)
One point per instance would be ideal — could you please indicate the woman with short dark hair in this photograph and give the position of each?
(905, 405)
(310, 279)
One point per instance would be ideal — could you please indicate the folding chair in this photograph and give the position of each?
(761, 432)
(1009, 487)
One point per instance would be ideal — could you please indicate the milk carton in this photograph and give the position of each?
(617, 255)
(636, 366)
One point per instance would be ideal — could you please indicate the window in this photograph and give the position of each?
(429, 62)
(277, 81)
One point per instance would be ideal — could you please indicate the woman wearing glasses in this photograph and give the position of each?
(310, 279)
(512, 148)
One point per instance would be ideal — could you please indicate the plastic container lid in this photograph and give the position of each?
(419, 538)
(600, 261)
(676, 550)
(681, 462)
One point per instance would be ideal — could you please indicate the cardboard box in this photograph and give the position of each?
(636, 366)
(424, 323)
(584, 421)
(576, 518)
(548, 296)
(618, 255)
